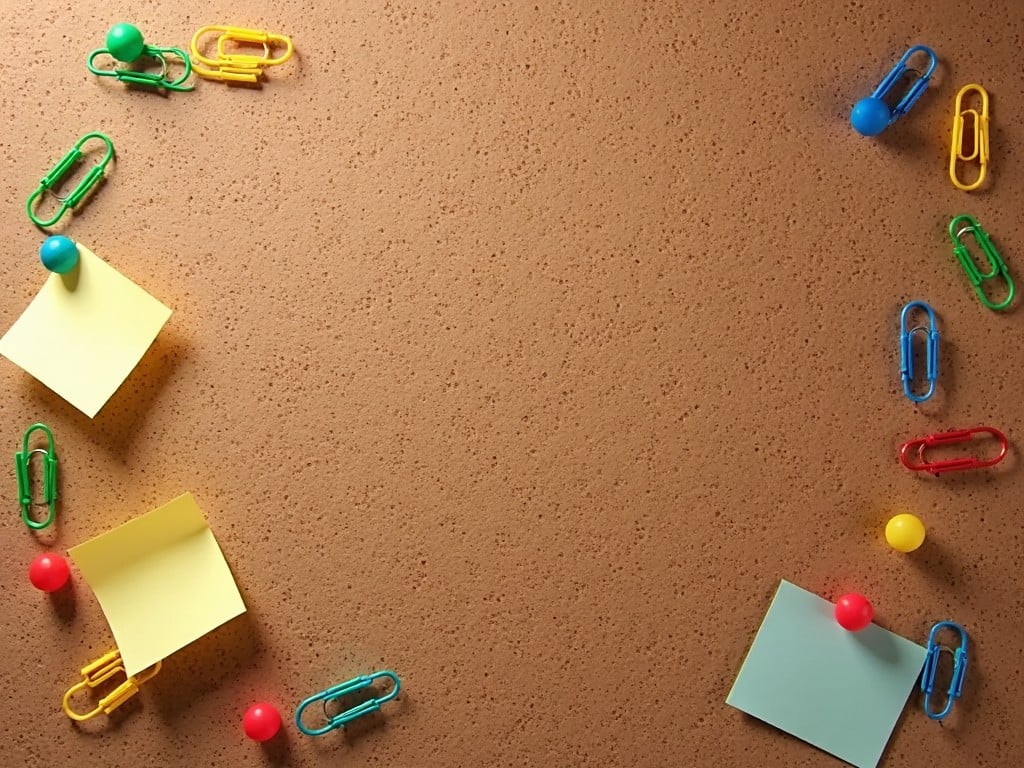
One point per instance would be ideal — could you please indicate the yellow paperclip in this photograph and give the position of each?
(979, 145)
(98, 672)
(238, 67)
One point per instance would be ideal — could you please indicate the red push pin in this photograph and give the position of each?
(854, 612)
(49, 572)
(262, 721)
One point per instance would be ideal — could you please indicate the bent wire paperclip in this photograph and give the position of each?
(931, 666)
(238, 67)
(343, 689)
(22, 459)
(97, 673)
(125, 44)
(996, 263)
(872, 115)
(978, 135)
(931, 335)
(60, 170)
(921, 444)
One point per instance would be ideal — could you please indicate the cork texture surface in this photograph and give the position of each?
(522, 348)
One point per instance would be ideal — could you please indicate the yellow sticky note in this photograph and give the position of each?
(84, 332)
(161, 580)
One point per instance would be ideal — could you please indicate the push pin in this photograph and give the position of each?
(59, 254)
(854, 612)
(261, 721)
(49, 572)
(872, 115)
(904, 532)
(125, 44)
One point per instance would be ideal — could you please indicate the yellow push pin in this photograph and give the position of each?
(904, 532)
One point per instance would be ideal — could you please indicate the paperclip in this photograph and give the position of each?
(931, 666)
(979, 133)
(872, 115)
(21, 462)
(238, 67)
(343, 689)
(60, 170)
(125, 44)
(98, 672)
(921, 444)
(998, 266)
(931, 334)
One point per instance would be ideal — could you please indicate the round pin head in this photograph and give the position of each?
(59, 254)
(49, 572)
(905, 533)
(261, 721)
(854, 612)
(124, 41)
(870, 116)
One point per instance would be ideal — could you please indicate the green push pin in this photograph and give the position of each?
(125, 44)
(124, 41)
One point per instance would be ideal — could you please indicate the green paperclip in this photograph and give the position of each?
(60, 170)
(125, 44)
(998, 266)
(21, 460)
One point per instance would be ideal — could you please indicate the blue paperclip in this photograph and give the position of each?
(343, 689)
(931, 666)
(931, 334)
(872, 115)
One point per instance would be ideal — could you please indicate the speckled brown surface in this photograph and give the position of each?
(522, 349)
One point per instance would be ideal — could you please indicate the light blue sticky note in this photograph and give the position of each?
(840, 691)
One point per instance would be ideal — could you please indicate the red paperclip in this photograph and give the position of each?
(947, 438)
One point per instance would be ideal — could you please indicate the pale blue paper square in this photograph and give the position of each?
(838, 690)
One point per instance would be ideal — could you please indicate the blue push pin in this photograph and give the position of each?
(59, 254)
(872, 115)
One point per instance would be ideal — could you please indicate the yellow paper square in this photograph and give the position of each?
(84, 332)
(161, 580)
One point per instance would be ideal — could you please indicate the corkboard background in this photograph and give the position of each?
(522, 349)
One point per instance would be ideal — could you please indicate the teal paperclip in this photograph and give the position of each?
(997, 267)
(21, 461)
(125, 44)
(343, 689)
(60, 170)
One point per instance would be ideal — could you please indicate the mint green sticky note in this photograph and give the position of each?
(840, 691)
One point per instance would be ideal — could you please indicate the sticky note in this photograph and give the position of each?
(161, 581)
(838, 690)
(84, 332)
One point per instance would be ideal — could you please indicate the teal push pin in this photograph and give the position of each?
(59, 254)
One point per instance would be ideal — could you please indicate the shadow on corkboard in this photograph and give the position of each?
(117, 422)
(202, 666)
(372, 725)
(278, 749)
